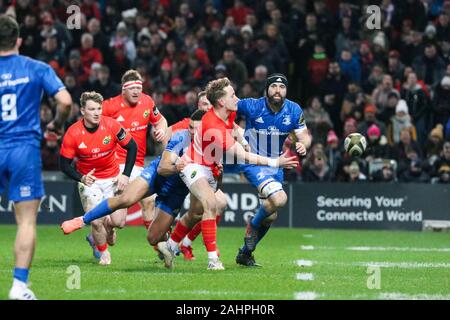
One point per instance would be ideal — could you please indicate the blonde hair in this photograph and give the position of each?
(90, 95)
(131, 75)
(216, 89)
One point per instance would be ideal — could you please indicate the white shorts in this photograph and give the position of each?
(194, 171)
(101, 189)
(136, 172)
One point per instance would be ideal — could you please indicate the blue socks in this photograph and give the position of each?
(101, 210)
(21, 274)
(262, 232)
(259, 217)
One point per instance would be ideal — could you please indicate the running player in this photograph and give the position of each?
(93, 141)
(269, 121)
(161, 178)
(136, 111)
(212, 139)
(22, 83)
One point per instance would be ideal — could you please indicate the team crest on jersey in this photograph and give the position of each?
(107, 140)
(286, 120)
(193, 174)
(146, 113)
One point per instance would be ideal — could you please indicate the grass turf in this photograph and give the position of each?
(410, 270)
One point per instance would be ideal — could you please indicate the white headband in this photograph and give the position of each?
(132, 83)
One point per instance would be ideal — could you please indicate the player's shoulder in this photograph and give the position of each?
(111, 102)
(293, 106)
(147, 100)
(74, 129)
(252, 101)
(180, 135)
(109, 122)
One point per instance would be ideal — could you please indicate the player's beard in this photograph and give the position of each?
(276, 103)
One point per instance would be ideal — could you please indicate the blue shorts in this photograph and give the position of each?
(171, 190)
(21, 167)
(232, 168)
(256, 175)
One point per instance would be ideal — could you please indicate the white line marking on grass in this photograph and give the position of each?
(307, 247)
(398, 249)
(305, 276)
(307, 236)
(306, 295)
(304, 263)
(418, 296)
(403, 265)
(175, 293)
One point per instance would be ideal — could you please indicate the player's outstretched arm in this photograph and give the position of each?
(170, 164)
(248, 157)
(63, 106)
(160, 130)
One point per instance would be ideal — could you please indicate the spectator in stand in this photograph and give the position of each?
(350, 65)
(389, 111)
(72, 86)
(441, 101)
(318, 169)
(101, 40)
(370, 119)
(386, 174)
(50, 152)
(374, 80)
(354, 173)
(239, 12)
(51, 52)
(404, 149)
(333, 89)
(365, 58)
(317, 68)
(236, 69)
(418, 106)
(259, 79)
(91, 9)
(347, 35)
(430, 66)
(31, 39)
(175, 96)
(317, 119)
(333, 153)
(401, 120)
(434, 144)
(443, 160)
(381, 93)
(443, 175)
(121, 40)
(377, 147)
(104, 85)
(443, 27)
(263, 54)
(76, 68)
(395, 67)
(89, 54)
(415, 173)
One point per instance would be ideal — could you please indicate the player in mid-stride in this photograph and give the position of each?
(22, 83)
(212, 141)
(93, 140)
(269, 121)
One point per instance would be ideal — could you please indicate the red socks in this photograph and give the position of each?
(179, 232)
(103, 247)
(193, 234)
(209, 232)
(147, 224)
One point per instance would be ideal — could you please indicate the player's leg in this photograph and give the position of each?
(24, 246)
(148, 210)
(273, 198)
(25, 190)
(134, 192)
(194, 214)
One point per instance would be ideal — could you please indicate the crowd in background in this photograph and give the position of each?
(391, 84)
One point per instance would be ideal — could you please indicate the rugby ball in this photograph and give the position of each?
(355, 144)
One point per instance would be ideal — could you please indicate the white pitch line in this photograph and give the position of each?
(304, 263)
(418, 296)
(305, 276)
(307, 236)
(305, 295)
(398, 249)
(307, 247)
(381, 264)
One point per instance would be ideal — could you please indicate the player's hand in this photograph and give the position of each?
(301, 149)
(52, 127)
(122, 182)
(160, 135)
(88, 179)
(180, 164)
(287, 162)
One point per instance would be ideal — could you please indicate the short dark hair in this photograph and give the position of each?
(216, 90)
(9, 32)
(91, 95)
(197, 115)
(131, 75)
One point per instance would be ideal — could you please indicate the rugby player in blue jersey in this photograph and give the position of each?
(22, 83)
(269, 121)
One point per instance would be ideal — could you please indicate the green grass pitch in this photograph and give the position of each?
(297, 264)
